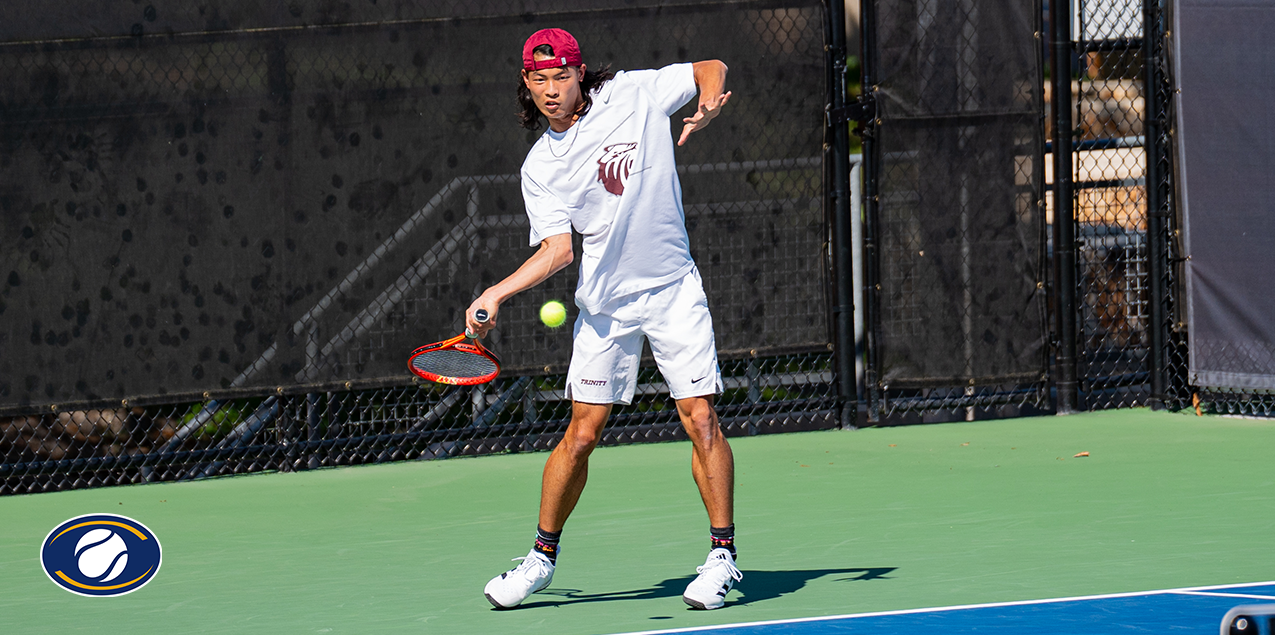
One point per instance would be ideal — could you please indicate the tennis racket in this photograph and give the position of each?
(456, 361)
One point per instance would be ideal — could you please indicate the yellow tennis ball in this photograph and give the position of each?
(553, 314)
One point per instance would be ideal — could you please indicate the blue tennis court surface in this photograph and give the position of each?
(1189, 610)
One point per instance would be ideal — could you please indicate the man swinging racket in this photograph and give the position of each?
(605, 168)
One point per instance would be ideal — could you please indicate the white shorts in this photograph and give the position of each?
(608, 346)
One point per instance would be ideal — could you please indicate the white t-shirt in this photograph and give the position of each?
(611, 176)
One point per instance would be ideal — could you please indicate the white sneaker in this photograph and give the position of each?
(510, 588)
(716, 578)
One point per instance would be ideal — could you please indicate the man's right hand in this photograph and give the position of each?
(477, 329)
(554, 254)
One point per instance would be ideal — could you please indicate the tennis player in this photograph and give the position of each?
(605, 168)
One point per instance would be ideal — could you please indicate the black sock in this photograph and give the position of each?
(723, 538)
(547, 543)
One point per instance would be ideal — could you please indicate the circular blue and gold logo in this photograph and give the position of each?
(100, 555)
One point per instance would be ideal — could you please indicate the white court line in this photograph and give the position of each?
(1227, 595)
(961, 607)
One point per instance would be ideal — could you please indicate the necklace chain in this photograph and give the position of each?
(571, 144)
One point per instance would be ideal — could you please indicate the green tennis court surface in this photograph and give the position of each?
(830, 523)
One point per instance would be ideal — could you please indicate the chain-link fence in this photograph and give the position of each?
(1132, 348)
(1110, 160)
(1124, 276)
(90, 448)
(226, 228)
(222, 235)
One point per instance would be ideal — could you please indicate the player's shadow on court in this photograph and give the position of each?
(757, 586)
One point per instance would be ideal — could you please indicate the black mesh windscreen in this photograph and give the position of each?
(1222, 48)
(959, 140)
(237, 198)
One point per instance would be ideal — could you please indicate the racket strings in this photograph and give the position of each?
(453, 363)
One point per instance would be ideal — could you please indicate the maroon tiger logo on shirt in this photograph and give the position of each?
(615, 165)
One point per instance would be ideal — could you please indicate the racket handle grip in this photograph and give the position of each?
(481, 316)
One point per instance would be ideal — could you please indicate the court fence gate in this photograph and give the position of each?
(252, 214)
(1121, 325)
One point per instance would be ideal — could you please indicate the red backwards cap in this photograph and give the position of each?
(566, 50)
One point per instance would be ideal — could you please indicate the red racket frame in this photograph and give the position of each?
(457, 343)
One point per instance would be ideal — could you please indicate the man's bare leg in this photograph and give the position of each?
(712, 463)
(565, 474)
(568, 466)
(713, 467)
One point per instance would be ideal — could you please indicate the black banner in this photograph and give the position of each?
(244, 198)
(961, 293)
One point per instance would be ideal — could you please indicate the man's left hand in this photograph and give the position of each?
(708, 109)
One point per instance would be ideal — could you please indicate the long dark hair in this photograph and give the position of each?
(529, 117)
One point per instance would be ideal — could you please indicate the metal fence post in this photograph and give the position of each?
(1157, 247)
(1064, 211)
(871, 172)
(843, 312)
(314, 420)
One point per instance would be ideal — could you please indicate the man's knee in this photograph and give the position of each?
(700, 421)
(587, 421)
(581, 440)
